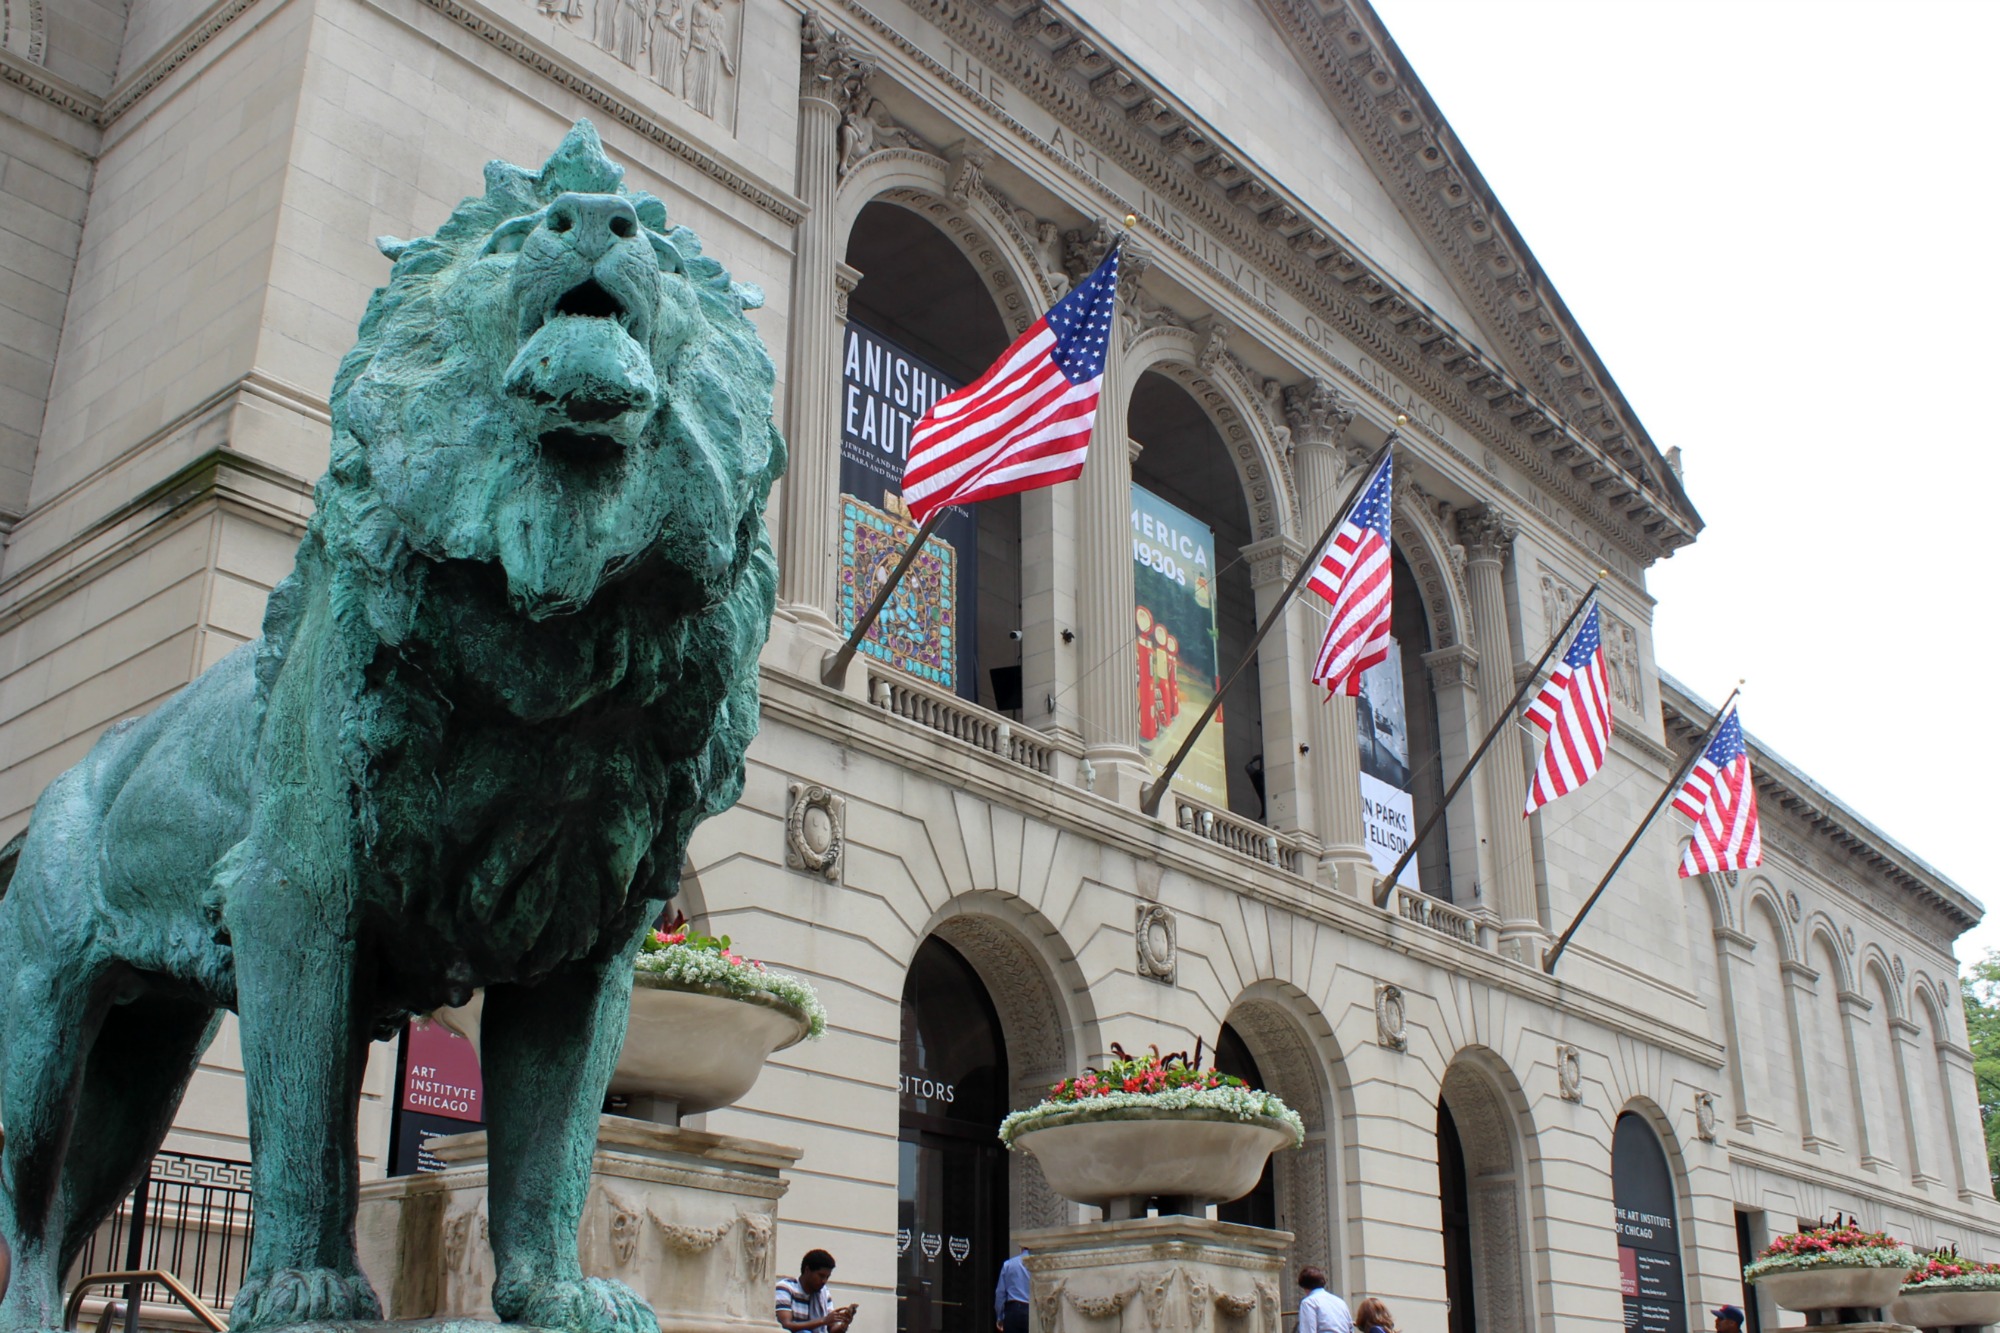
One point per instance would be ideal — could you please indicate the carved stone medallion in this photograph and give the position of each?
(1704, 1116)
(1391, 1018)
(1569, 1073)
(1155, 936)
(815, 830)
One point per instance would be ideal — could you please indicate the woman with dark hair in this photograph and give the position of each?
(1372, 1316)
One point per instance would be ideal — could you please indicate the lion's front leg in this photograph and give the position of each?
(548, 1054)
(303, 1049)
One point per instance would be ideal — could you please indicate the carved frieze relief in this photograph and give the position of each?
(1623, 665)
(690, 48)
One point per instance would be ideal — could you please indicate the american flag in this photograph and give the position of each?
(1353, 575)
(1025, 422)
(1722, 801)
(1574, 710)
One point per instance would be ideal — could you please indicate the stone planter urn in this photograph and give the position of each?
(1118, 1160)
(1946, 1309)
(1833, 1288)
(687, 1049)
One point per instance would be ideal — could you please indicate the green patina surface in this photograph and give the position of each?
(514, 667)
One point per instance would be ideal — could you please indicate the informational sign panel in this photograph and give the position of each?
(1388, 814)
(440, 1092)
(1173, 558)
(930, 626)
(1649, 1248)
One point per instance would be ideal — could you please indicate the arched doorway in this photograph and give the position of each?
(1643, 1193)
(1188, 505)
(1258, 1208)
(1479, 1203)
(921, 323)
(951, 1235)
(1456, 1216)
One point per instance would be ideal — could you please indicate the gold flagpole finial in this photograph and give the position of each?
(1131, 219)
(1402, 420)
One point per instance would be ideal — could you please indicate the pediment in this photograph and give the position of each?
(1306, 143)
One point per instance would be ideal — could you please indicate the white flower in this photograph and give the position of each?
(1238, 1103)
(704, 969)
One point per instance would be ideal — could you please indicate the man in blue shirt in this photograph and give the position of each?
(1010, 1296)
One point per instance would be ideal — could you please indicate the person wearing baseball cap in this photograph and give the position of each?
(1728, 1319)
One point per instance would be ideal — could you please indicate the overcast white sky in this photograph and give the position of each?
(1772, 219)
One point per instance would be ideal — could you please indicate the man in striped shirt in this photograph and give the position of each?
(805, 1302)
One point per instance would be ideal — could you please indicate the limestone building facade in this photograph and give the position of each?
(188, 196)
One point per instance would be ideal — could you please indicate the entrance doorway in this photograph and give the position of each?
(1454, 1203)
(951, 1235)
(1258, 1208)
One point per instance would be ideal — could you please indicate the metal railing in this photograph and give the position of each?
(189, 1221)
(1243, 836)
(153, 1279)
(1440, 916)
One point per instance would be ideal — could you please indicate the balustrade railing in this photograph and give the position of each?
(1440, 916)
(1243, 836)
(952, 716)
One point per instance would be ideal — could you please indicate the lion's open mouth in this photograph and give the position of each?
(587, 384)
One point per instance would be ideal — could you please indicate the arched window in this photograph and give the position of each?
(1195, 618)
(1649, 1247)
(951, 1208)
(920, 324)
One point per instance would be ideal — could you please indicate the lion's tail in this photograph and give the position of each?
(10, 857)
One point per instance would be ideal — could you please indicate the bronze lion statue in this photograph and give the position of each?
(514, 667)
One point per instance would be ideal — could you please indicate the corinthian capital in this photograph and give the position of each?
(1487, 533)
(827, 64)
(1317, 412)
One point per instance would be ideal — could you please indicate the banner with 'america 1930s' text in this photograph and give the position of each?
(1173, 558)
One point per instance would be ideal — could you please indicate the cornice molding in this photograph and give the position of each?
(1072, 74)
(1372, 90)
(1805, 823)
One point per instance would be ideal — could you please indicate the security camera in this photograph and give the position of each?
(1069, 636)
(1014, 634)
(1304, 748)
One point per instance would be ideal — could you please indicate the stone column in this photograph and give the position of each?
(1283, 693)
(1108, 680)
(1923, 1156)
(1319, 417)
(810, 556)
(1489, 537)
(1854, 1009)
(1735, 955)
(1800, 992)
(1968, 1139)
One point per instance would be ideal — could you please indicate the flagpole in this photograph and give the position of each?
(1149, 800)
(834, 673)
(1387, 885)
(1687, 766)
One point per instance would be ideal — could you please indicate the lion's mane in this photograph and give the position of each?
(545, 667)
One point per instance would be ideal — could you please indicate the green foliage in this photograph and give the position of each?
(1980, 986)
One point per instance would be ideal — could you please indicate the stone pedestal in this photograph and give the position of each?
(1156, 1275)
(684, 1218)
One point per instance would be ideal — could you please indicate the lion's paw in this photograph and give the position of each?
(576, 1305)
(301, 1296)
